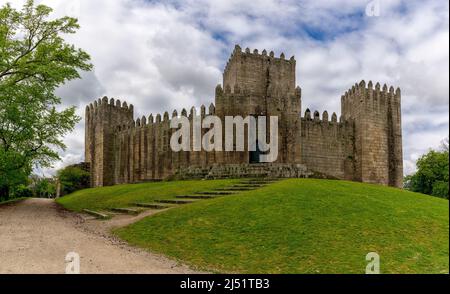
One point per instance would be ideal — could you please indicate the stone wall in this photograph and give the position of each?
(142, 149)
(327, 145)
(259, 170)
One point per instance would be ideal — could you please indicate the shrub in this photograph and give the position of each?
(440, 189)
(23, 191)
(73, 178)
(432, 174)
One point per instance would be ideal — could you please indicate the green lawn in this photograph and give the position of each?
(304, 226)
(124, 195)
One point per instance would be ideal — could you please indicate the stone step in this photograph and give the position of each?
(196, 196)
(215, 193)
(127, 210)
(258, 181)
(176, 201)
(96, 214)
(152, 205)
(248, 186)
(236, 189)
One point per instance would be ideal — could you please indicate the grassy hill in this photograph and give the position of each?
(291, 226)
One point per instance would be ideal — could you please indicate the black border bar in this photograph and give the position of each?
(248, 283)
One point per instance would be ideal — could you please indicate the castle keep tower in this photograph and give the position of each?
(364, 144)
(263, 85)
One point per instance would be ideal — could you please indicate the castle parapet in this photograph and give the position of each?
(316, 118)
(368, 97)
(102, 110)
(255, 54)
(143, 122)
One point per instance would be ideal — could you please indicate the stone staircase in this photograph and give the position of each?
(152, 205)
(244, 185)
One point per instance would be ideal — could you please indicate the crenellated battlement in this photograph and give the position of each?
(102, 107)
(252, 73)
(375, 98)
(143, 122)
(317, 119)
(237, 52)
(103, 102)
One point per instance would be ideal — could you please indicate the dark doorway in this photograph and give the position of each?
(254, 155)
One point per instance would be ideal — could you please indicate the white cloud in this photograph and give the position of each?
(161, 56)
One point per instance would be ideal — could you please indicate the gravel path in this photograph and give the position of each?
(36, 235)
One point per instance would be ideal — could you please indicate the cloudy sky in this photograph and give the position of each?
(165, 55)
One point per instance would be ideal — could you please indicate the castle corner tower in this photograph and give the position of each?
(102, 118)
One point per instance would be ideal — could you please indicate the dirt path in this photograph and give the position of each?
(36, 235)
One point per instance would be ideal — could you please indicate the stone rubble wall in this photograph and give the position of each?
(259, 170)
(327, 145)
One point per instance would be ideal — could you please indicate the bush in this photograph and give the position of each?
(432, 174)
(440, 189)
(10, 182)
(73, 178)
(23, 191)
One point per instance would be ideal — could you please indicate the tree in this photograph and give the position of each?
(41, 186)
(34, 61)
(444, 144)
(432, 174)
(45, 188)
(73, 178)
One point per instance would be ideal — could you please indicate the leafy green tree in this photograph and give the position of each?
(432, 176)
(73, 178)
(45, 188)
(34, 61)
(445, 144)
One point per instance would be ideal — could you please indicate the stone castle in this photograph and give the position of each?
(364, 144)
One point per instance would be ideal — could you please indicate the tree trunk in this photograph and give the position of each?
(4, 192)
